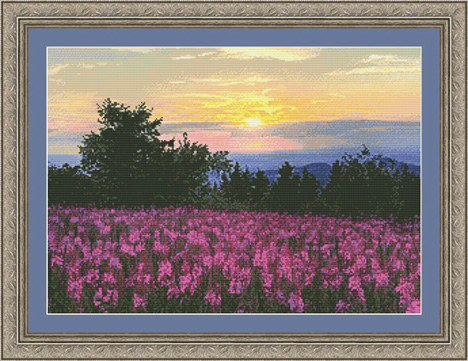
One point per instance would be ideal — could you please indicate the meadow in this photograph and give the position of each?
(189, 260)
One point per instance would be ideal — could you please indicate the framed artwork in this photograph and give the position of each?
(231, 180)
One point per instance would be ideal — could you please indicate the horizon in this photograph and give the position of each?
(270, 160)
(378, 136)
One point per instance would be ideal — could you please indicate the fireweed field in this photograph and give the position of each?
(184, 260)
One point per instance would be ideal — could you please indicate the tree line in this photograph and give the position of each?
(126, 164)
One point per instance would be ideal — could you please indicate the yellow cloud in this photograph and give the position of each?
(239, 80)
(86, 66)
(191, 57)
(142, 50)
(53, 70)
(208, 80)
(381, 65)
(384, 59)
(379, 70)
(183, 57)
(284, 54)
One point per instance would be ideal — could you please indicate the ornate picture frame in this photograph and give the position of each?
(450, 18)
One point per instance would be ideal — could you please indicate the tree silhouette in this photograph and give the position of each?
(130, 165)
(260, 189)
(69, 185)
(371, 185)
(309, 191)
(285, 191)
(119, 156)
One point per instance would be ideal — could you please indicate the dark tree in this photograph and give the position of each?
(309, 192)
(260, 189)
(333, 194)
(238, 185)
(187, 172)
(121, 154)
(371, 185)
(130, 165)
(285, 193)
(408, 193)
(232, 183)
(68, 185)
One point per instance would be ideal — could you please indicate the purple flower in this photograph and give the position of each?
(296, 303)
(138, 301)
(341, 306)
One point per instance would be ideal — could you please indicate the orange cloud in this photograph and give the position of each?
(224, 140)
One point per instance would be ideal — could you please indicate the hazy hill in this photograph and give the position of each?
(322, 170)
(319, 170)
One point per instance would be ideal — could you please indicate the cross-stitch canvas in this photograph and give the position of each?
(234, 180)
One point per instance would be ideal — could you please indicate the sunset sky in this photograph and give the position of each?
(248, 99)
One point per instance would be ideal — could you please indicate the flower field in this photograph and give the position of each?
(185, 260)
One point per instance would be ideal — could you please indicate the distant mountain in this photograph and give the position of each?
(416, 169)
(321, 171)
(58, 160)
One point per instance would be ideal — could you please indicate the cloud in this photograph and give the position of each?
(227, 106)
(337, 95)
(229, 81)
(283, 54)
(144, 50)
(377, 70)
(190, 57)
(90, 66)
(318, 101)
(226, 140)
(322, 141)
(341, 133)
(184, 57)
(57, 69)
(208, 80)
(54, 70)
(207, 53)
(195, 95)
(384, 59)
(58, 81)
(86, 66)
(375, 58)
(382, 64)
(177, 127)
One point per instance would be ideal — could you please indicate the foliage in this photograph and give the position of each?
(289, 193)
(129, 165)
(371, 185)
(260, 190)
(185, 179)
(69, 185)
(285, 192)
(120, 156)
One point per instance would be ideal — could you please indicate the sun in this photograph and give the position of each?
(253, 122)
